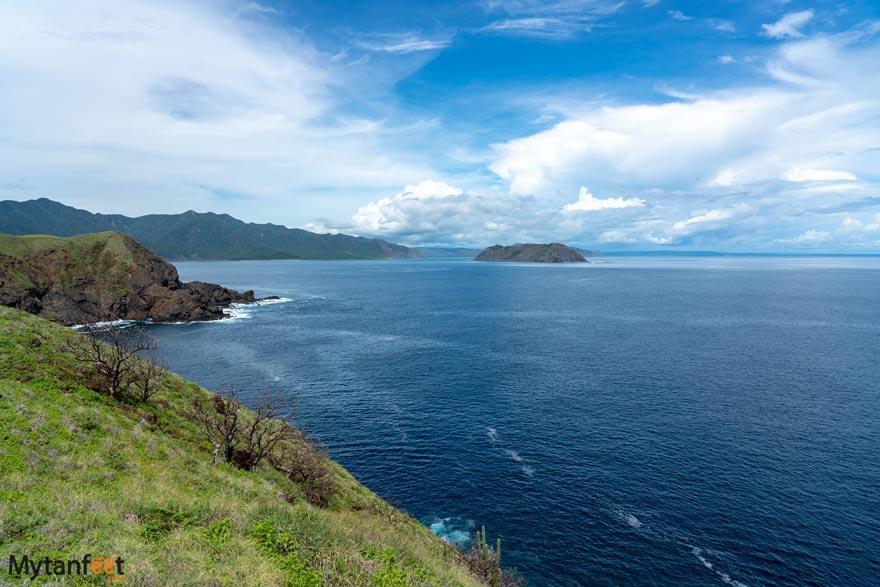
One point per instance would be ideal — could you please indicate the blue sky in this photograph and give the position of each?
(733, 125)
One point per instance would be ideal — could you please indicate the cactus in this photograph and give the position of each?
(486, 560)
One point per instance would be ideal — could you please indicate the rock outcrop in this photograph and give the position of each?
(102, 276)
(532, 253)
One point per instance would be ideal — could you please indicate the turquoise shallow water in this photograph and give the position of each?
(636, 421)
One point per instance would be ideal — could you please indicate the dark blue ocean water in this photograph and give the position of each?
(674, 422)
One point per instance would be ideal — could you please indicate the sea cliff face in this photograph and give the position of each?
(102, 276)
(531, 253)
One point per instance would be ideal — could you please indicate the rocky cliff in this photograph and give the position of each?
(102, 276)
(532, 253)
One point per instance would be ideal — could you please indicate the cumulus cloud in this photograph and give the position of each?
(587, 202)
(436, 212)
(637, 147)
(789, 25)
(782, 131)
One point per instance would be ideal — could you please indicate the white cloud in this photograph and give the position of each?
(543, 28)
(721, 25)
(725, 59)
(403, 43)
(553, 20)
(823, 132)
(710, 217)
(800, 174)
(851, 225)
(789, 25)
(152, 99)
(587, 202)
(810, 237)
(429, 208)
(637, 147)
(679, 15)
(649, 3)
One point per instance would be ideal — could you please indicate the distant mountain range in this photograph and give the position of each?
(195, 236)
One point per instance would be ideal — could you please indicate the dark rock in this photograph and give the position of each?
(531, 253)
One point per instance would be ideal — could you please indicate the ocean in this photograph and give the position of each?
(634, 421)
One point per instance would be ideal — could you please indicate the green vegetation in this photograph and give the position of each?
(193, 235)
(85, 473)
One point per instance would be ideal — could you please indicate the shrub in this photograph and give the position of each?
(308, 465)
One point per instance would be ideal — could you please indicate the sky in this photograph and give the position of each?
(735, 125)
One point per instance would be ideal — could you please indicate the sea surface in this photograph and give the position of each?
(634, 421)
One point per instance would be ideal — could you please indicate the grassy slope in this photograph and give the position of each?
(20, 246)
(82, 473)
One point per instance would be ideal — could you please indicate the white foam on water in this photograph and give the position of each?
(237, 311)
(529, 471)
(98, 326)
(451, 532)
(629, 519)
(492, 434)
(725, 578)
(513, 455)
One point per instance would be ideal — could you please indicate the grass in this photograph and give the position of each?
(20, 246)
(81, 473)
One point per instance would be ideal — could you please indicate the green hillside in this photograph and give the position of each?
(195, 236)
(83, 473)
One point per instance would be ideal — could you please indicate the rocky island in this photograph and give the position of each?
(531, 253)
(107, 275)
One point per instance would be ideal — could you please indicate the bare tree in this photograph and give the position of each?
(262, 430)
(108, 357)
(243, 437)
(219, 420)
(306, 463)
(147, 377)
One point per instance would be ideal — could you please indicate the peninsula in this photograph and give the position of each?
(531, 253)
(103, 276)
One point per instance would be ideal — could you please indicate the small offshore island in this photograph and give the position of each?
(531, 253)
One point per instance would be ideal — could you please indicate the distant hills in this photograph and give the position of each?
(196, 236)
(531, 253)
